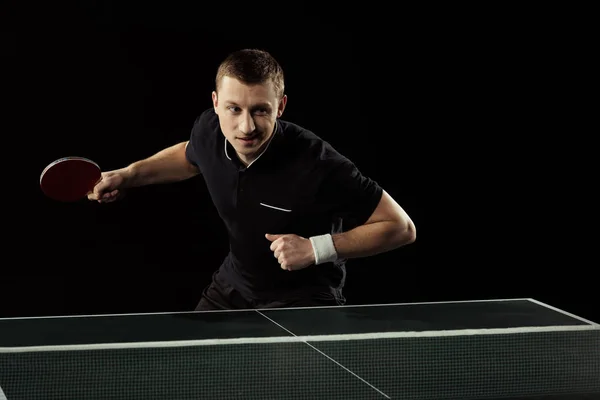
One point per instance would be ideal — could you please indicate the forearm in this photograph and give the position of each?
(374, 238)
(168, 165)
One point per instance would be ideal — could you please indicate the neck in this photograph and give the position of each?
(249, 160)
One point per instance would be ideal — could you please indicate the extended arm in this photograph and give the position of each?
(168, 165)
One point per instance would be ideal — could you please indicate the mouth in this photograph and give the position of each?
(249, 140)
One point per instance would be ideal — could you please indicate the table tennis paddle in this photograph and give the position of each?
(70, 179)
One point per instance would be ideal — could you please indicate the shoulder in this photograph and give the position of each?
(206, 123)
(204, 138)
(206, 131)
(316, 156)
(310, 148)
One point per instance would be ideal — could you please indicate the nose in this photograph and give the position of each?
(247, 125)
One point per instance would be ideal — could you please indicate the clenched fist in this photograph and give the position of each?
(292, 251)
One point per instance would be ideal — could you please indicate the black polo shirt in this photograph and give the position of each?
(298, 185)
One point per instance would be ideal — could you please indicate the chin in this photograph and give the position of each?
(247, 151)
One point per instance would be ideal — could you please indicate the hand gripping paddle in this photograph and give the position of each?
(70, 179)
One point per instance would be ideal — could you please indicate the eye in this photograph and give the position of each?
(233, 108)
(262, 111)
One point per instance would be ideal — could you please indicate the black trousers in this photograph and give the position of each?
(220, 295)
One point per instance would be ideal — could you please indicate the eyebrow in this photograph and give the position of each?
(260, 105)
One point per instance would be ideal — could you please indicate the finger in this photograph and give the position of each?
(108, 197)
(272, 237)
(286, 266)
(94, 194)
(100, 186)
(275, 245)
(97, 192)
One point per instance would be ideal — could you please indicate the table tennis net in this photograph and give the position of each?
(396, 365)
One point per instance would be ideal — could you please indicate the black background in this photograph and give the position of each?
(458, 114)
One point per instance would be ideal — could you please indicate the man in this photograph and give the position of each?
(295, 209)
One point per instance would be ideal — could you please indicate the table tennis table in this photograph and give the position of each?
(467, 350)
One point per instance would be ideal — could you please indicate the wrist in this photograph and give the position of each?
(323, 248)
(128, 174)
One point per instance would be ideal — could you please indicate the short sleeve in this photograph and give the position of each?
(351, 195)
(197, 144)
(190, 154)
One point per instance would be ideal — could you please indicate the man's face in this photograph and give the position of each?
(247, 115)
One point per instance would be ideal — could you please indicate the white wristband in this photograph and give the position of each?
(323, 248)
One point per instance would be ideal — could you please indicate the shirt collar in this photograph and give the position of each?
(276, 130)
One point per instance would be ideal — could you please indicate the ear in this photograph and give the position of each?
(215, 101)
(282, 104)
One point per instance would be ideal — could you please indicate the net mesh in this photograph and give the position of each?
(481, 366)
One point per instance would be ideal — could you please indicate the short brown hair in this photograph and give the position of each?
(252, 66)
